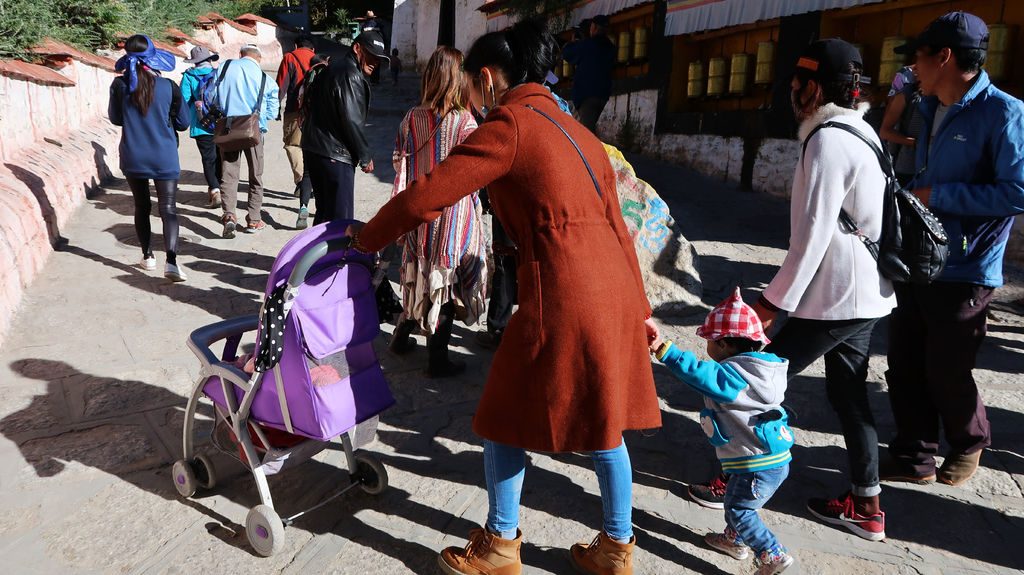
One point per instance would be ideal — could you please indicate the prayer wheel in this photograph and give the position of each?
(695, 82)
(624, 38)
(764, 70)
(716, 76)
(639, 43)
(891, 61)
(996, 61)
(739, 73)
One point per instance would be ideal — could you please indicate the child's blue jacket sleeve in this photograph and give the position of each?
(719, 382)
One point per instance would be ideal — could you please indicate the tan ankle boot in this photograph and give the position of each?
(485, 554)
(604, 556)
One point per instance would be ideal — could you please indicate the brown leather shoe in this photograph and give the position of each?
(604, 556)
(890, 469)
(959, 467)
(485, 554)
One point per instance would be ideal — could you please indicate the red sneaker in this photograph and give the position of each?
(710, 494)
(840, 511)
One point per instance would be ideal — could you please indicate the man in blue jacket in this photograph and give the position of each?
(592, 84)
(970, 172)
(242, 86)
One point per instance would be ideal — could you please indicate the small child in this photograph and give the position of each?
(396, 67)
(743, 390)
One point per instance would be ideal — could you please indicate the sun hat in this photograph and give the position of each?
(733, 318)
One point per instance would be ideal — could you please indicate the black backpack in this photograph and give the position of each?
(913, 244)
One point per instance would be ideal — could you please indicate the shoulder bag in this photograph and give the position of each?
(234, 133)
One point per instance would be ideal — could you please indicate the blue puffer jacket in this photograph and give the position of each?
(975, 167)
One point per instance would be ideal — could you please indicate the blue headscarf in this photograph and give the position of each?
(152, 57)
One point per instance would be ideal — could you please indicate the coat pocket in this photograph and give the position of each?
(711, 430)
(773, 431)
(531, 310)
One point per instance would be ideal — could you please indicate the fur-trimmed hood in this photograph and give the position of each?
(826, 113)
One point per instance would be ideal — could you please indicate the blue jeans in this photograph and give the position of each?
(746, 493)
(505, 466)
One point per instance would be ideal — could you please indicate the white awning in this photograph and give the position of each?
(500, 19)
(686, 16)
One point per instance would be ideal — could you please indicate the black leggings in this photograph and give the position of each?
(166, 190)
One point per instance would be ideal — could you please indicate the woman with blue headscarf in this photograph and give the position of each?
(150, 111)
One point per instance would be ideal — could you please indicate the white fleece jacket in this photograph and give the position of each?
(828, 274)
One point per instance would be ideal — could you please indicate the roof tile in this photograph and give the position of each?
(33, 73)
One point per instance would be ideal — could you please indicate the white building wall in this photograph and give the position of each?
(415, 23)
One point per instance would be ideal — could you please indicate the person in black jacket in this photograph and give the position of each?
(333, 135)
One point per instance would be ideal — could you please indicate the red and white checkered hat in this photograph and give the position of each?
(733, 318)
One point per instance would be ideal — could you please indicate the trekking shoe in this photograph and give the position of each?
(214, 198)
(229, 228)
(603, 556)
(488, 339)
(254, 227)
(303, 220)
(485, 554)
(728, 543)
(959, 467)
(148, 263)
(710, 494)
(175, 273)
(891, 469)
(773, 561)
(840, 511)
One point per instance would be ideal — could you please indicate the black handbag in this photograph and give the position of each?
(913, 245)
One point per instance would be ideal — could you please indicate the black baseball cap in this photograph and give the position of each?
(373, 42)
(601, 20)
(953, 30)
(827, 60)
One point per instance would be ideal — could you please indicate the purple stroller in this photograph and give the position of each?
(316, 377)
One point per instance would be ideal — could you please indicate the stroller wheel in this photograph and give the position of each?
(184, 478)
(265, 531)
(371, 474)
(204, 472)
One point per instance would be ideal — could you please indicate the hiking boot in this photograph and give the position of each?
(892, 469)
(959, 467)
(302, 222)
(229, 228)
(604, 556)
(214, 198)
(841, 511)
(254, 227)
(488, 339)
(728, 543)
(773, 561)
(148, 263)
(175, 273)
(710, 494)
(485, 554)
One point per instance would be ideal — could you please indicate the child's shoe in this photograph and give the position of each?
(485, 554)
(773, 561)
(603, 556)
(728, 543)
(710, 494)
(842, 511)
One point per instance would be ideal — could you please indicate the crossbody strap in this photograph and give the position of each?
(580, 152)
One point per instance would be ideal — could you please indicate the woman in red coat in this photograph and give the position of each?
(573, 370)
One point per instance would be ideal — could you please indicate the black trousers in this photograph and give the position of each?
(333, 187)
(211, 160)
(166, 192)
(504, 286)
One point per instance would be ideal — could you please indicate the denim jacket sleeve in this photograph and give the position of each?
(710, 378)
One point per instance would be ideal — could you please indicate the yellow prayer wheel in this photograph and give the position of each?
(739, 73)
(695, 82)
(891, 61)
(716, 76)
(639, 43)
(567, 70)
(997, 60)
(623, 47)
(764, 71)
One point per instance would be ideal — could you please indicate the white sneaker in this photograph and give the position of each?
(148, 263)
(175, 273)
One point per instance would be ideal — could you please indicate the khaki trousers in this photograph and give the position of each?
(293, 144)
(231, 166)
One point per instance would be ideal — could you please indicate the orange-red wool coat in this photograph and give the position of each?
(572, 371)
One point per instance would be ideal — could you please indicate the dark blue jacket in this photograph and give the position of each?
(593, 58)
(149, 143)
(975, 168)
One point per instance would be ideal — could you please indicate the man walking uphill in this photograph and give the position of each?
(241, 85)
(970, 172)
(334, 135)
(593, 58)
(293, 70)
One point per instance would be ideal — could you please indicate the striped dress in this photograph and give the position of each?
(444, 260)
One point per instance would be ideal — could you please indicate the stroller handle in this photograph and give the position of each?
(200, 340)
(313, 255)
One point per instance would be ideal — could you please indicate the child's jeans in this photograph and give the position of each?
(746, 493)
(505, 466)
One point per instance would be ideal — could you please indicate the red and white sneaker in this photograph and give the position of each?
(710, 494)
(840, 511)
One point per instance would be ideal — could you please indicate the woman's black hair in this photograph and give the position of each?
(524, 53)
(142, 97)
(844, 93)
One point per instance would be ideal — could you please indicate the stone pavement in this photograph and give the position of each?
(94, 377)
